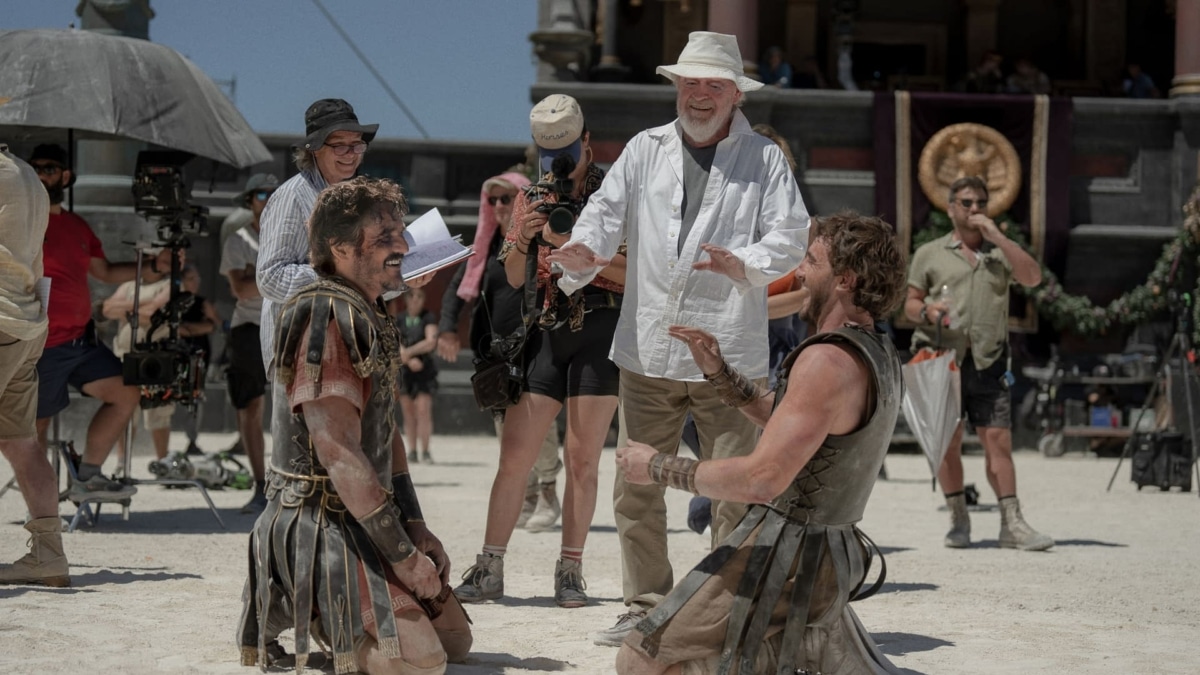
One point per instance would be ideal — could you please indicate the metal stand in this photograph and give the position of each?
(126, 477)
(1180, 348)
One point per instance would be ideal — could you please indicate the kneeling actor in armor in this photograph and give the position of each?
(772, 597)
(341, 553)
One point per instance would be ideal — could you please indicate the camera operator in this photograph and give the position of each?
(73, 356)
(568, 359)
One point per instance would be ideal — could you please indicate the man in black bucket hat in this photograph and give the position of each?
(331, 152)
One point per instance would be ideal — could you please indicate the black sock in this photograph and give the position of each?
(949, 495)
(260, 487)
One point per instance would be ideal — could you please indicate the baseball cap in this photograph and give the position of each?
(259, 181)
(52, 153)
(557, 126)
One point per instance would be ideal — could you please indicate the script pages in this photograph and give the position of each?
(430, 246)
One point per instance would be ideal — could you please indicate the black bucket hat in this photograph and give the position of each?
(329, 115)
(53, 153)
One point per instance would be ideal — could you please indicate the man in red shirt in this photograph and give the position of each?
(73, 356)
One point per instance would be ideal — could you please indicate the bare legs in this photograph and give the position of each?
(997, 449)
(35, 476)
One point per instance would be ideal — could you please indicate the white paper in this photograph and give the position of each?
(41, 288)
(430, 246)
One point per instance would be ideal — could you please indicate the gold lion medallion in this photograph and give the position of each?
(970, 149)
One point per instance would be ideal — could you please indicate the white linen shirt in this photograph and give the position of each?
(283, 265)
(751, 206)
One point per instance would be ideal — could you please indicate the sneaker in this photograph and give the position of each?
(613, 637)
(256, 504)
(569, 585)
(412, 457)
(426, 458)
(98, 487)
(699, 514)
(482, 581)
(548, 510)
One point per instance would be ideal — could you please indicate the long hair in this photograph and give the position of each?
(342, 213)
(865, 246)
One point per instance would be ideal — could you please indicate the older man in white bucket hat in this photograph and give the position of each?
(712, 214)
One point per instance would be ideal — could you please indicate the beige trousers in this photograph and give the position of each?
(653, 411)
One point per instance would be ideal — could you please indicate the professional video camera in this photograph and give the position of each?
(562, 213)
(160, 191)
(168, 369)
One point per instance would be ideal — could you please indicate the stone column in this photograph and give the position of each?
(610, 68)
(982, 21)
(739, 18)
(1187, 49)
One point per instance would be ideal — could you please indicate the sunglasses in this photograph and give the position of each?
(263, 195)
(968, 203)
(503, 199)
(47, 169)
(341, 150)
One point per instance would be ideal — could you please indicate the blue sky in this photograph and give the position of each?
(463, 67)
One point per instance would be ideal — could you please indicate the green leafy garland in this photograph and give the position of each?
(1078, 313)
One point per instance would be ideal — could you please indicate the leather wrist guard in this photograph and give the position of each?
(674, 471)
(735, 389)
(405, 497)
(386, 531)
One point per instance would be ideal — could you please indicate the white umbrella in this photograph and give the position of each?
(933, 402)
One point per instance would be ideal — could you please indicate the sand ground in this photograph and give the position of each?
(1120, 593)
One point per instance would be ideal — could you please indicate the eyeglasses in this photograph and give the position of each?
(263, 195)
(340, 150)
(503, 199)
(47, 169)
(968, 203)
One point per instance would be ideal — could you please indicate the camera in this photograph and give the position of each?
(560, 214)
(161, 191)
(168, 369)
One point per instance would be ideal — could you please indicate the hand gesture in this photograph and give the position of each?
(418, 573)
(577, 258)
(634, 461)
(986, 226)
(448, 346)
(721, 261)
(703, 346)
(432, 547)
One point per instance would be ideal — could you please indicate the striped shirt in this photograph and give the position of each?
(283, 266)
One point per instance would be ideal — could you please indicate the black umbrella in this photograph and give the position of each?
(107, 87)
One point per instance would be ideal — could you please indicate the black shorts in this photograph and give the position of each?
(75, 363)
(565, 364)
(246, 375)
(420, 382)
(986, 401)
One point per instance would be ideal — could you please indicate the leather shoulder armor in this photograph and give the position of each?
(370, 337)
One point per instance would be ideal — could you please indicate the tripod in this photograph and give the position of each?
(1180, 348)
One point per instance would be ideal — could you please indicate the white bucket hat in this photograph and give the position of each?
(710, 55)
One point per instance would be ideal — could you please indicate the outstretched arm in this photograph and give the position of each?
(831, 398)
(753, 401)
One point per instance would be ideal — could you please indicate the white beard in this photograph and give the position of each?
(702, 132)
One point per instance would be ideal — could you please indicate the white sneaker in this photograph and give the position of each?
(613, 637)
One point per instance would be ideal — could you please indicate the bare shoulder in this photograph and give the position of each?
(833, 378)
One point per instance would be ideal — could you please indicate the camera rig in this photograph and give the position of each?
(168, 369)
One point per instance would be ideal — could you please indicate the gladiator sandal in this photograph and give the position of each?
(482, 581)
(1015, 532)
(959, 535)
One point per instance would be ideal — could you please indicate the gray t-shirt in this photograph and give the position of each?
(697, 164)
(241, 253)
